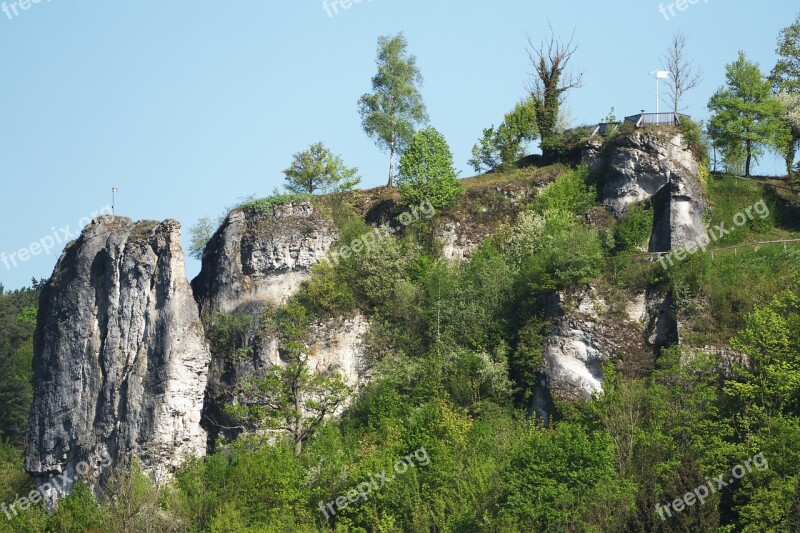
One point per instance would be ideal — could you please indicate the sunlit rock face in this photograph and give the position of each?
(261, 256)
(120, 362)
(652, 166)
(256, 261)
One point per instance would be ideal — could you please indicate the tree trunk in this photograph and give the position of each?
(298, 448)
(391, 165)
(791, 152)
(749, 149)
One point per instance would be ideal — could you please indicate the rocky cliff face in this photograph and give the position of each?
(335, 345)
(586, 334)
(653, 166)
(123, 369)
(120, 358)
(260, 256)
(257, 260)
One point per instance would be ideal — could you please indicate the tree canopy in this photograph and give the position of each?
(317, 170)
(395, 108)
(745, 116)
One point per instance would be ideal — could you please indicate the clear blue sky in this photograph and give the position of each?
(189, 106)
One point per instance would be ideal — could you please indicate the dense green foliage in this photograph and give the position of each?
(17, 323)
(634, 229)
(427, 173)
(318, 170)
(501, 148)
(395, 108)
(745, 114)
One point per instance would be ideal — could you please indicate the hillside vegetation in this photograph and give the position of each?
(456, 351)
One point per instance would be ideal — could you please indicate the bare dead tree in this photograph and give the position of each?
(550, 81)
(683, 75)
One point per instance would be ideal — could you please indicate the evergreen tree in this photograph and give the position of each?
(745, 114)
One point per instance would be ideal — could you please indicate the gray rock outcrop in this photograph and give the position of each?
(256, 261)
(653, 166)
(585, 335)
(120, 358)
(261, 256)
(335, 345)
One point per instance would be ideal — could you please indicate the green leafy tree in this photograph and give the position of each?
(746, 117)
(392, 111)
(785, 78)
(786, 74)
(770, 383)
(562, 480)
(486, 154)
(199, 235)
(554, 251)
(501, 148)
(317, 169)
(791, 117)
(289, 396)
(427, 171)
(550, 83)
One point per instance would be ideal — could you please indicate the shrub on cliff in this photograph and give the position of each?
(569, 193)
(634, 229)
(427, 171)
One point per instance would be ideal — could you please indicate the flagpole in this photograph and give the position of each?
(658, 104)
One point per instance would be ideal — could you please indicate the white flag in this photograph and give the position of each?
(662, 74)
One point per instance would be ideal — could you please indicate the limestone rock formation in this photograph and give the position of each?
(257, 260)
(261, 256)
(653, 166)
(335, 345)
(120, 359)
(585, 335)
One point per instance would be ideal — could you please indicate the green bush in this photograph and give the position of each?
(555, 251)
(374, 275)
(427, 173)
(634, 229)
(570, 193)
(693, 135)
(229, 335)
(326, 294)
(501, 148)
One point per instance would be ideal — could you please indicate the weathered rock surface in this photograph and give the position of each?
(120, 359)
(335, 345)
(650, 165)
(261, 256)
(585, 335)
(257, 260)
